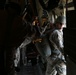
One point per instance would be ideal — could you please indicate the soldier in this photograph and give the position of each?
(55, 63)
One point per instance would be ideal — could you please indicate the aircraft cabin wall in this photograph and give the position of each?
(69, 37)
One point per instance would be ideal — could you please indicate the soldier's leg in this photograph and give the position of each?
(52, 62)
(61, 68)
(50, 69)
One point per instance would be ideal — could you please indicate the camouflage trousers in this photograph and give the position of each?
(55, 66)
